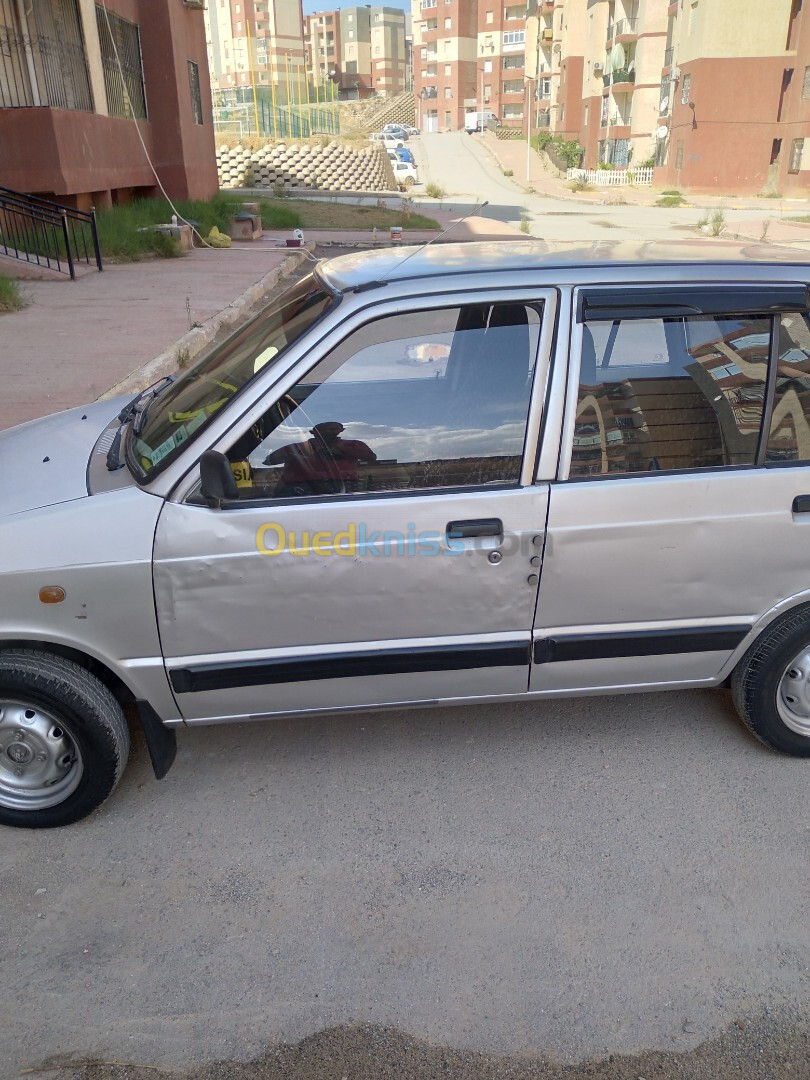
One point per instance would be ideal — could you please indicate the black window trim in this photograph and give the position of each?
(606, 304)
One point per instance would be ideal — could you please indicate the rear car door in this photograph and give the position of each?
(679, 514)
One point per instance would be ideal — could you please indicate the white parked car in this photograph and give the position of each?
(405, 173)
(389, 141)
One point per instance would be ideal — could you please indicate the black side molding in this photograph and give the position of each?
(226, 676)
(160, 740)
(667, 301)
(637, 643)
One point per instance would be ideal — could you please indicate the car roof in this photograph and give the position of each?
(439, 260)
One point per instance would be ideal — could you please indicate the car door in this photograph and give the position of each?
(379, 548)
(673, 525)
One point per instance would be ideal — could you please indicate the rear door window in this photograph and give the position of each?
(670, 394)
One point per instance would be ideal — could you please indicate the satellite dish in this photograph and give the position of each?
(662, 132)
(662, 108)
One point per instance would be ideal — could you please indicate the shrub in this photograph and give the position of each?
(11, 299)
(671, 191)
(525, 221)
(435, 191)
(671, 200)
(580, 184)
(508, 172)
(717, 222)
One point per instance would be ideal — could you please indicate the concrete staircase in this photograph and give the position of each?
(397, 110)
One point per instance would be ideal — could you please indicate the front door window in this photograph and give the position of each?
(424, 401)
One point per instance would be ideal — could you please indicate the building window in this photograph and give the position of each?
(489, 16)
(125, 97)
(806, 86)
(448, 92)
(513, 86)
(194, 87)
(796, 151)
(487, 66)
(447, 119)
(685, 89)
(514, 37)
(693, 16)
(513, 62)
(679, 155)
(42, 56)
(448, 24)
(513, 112)
(585, 116)
(448, 69)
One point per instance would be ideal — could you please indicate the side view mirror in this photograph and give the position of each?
(218, 483)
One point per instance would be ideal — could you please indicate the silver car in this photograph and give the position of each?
(422, 476)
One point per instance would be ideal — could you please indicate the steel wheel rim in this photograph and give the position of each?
(793, 694)
(40, 762)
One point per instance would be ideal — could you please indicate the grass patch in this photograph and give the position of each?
(671, 191)
(508, 172)
(525, 221)
(580, 184)
(317, 214)
(122, 239)
(435, 191)
(119, 228)
(11, 299)
(671, 200)
(803, 218)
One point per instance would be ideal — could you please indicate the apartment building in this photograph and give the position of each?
(504, 84)
(734, 104)
(257, 43)
(625, 43)
(389, 70)
(68, 111)
(445, 62)
(323, 48)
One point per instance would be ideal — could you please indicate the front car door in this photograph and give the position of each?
(674, 524)
(380, 548)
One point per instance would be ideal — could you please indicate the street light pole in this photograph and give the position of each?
(529, 81)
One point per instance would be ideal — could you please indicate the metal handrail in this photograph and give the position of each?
(39, 230)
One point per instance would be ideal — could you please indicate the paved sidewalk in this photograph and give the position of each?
(77, 339)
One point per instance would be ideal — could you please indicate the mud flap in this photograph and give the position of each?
(161, 740)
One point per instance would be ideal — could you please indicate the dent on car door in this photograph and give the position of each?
(379, 546)
(672, 527)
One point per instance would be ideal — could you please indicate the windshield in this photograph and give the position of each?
(186, 406)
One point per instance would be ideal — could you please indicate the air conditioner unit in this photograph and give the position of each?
(597, 67)
(199, 4)
(548, 35)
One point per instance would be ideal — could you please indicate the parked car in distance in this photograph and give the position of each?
(404, 154)
(405, 174)
(389, 140)
(396, 129)
(439, 475)
(412, 130)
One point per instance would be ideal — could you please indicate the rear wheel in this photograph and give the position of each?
(64, 740)
(771, 685)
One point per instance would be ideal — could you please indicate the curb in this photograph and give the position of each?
(166, 363)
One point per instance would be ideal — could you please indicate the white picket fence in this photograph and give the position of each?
(613, 177)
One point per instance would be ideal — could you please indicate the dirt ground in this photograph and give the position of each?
(769, 1048)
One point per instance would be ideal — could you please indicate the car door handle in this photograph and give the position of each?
(801, 504)
(475, 527)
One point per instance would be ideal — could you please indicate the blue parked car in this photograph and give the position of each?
(404, 154)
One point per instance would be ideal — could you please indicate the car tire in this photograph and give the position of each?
(771, 685)
(64, 740)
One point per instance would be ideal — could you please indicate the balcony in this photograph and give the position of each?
(668, 55)
(622, 30)
(621, 82)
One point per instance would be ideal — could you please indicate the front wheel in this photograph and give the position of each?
(64, 740)
(771, 685)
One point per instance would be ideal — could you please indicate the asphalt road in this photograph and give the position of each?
(464, 167)
(575, 878)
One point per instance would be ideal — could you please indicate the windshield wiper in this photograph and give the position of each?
(135, 408)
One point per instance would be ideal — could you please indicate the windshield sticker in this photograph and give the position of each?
(177, 438)
(195, 421)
